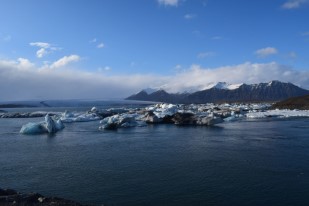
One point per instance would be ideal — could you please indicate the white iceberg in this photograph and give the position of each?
(121, 120)
(69, 117)
(163, 110)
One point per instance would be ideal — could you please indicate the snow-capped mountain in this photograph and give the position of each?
(192, 89)
(150, 90)
(222, 85)
(224, 92)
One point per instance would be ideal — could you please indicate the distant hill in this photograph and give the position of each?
(263, 92)
(293, 103)
(14, 106)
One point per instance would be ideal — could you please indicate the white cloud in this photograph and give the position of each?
(294, 4)
(64, 61)
(205, 55)
(242, 73)
(36, 83)
(25, 64)
(168, 2)
(40, 44)
(267, 51)
(189, 16)
(29, 82)
(45, 48)
(101, 45)
(94, 40)
(41, 52)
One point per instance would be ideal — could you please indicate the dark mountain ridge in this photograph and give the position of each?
(263, 92)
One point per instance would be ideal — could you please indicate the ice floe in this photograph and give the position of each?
(278, 113)
(121, 120)
(68, 117)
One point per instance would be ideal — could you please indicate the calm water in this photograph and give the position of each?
(240, 163)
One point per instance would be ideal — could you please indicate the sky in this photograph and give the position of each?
(105, 49)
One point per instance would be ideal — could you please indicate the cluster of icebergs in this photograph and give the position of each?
(193, 114)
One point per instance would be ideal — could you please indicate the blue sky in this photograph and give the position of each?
(130, 44)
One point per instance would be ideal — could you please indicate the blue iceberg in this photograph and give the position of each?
(48, 126)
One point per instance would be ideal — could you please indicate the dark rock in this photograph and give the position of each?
(6, 192)
(103, 114)
(111, 126)
(10, 197)
(151, 118)
(184, 119)
(168, 119)
(208, 121)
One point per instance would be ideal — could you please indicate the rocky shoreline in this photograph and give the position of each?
(10, 197)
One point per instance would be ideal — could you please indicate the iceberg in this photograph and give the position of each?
(48, 126)
(121, 121)
(69, 117)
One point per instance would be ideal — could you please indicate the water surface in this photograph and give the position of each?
(239, 163)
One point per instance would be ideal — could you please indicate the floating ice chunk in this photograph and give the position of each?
(163, 110)
(94, 109)
(117, 110)
(59, 125)
(47, 126)
(120, 120)
(33, 128)
(230, 119)
(69, 117)
(50, 124)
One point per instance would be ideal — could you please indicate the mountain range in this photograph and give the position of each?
(222, 92)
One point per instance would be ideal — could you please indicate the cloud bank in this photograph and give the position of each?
(168, 2)
(196, 77)
(22, 80)
(294, 4)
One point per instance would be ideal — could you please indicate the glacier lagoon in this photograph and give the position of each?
(247, 162)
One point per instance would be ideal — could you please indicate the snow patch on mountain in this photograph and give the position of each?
(192, 89)
(222, 85)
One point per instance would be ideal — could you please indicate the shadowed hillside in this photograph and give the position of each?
(293, 103)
